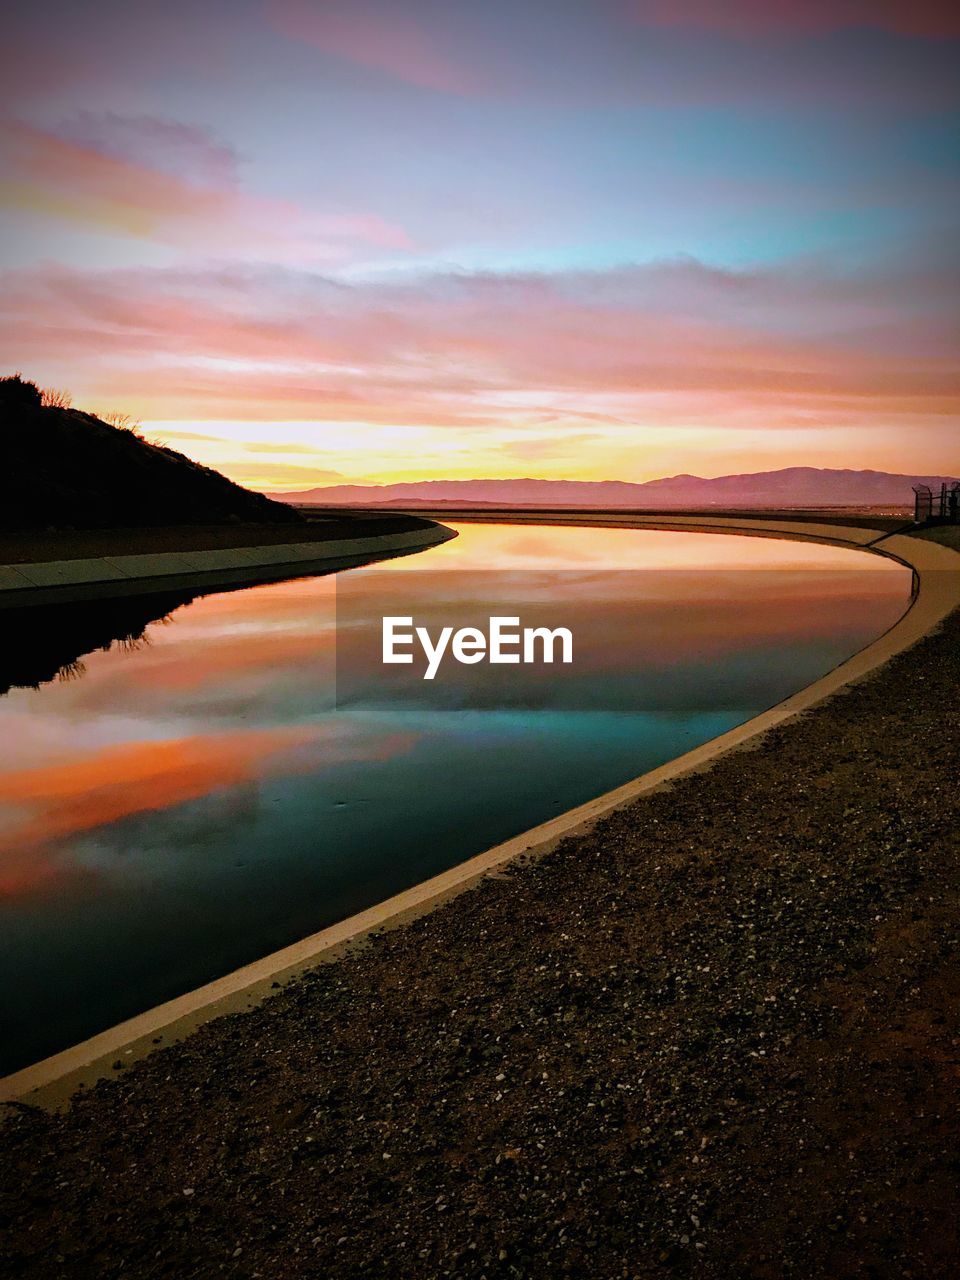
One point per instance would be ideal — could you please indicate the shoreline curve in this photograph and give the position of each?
(936, 568)
(70, 581)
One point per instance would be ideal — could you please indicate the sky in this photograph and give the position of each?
(312, 242)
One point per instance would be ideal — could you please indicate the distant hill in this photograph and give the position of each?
(60, 467)
(790, 487)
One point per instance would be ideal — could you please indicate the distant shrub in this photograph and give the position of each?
(17, 392)
(123, 422)
(54, 398)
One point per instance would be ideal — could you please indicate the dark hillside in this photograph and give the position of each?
(63, 468)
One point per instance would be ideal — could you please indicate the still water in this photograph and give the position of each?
(189, 786)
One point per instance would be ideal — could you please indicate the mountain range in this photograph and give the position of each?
(789, 487)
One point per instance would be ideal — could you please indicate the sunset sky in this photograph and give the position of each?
(323, 241)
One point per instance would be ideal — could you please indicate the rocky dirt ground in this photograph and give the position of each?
(717, 1037)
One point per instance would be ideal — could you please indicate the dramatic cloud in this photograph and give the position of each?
(452, 349)
(383, 238)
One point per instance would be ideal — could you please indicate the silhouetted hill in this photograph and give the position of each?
(60, 467)
(790, 487)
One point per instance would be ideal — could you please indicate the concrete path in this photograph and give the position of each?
(53, 581)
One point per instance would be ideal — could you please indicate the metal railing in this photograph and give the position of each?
(944, 505)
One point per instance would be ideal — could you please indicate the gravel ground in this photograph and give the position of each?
(717, 1037)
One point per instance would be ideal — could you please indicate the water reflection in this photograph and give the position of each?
(47, 643)
(645, 640)
(196, 795)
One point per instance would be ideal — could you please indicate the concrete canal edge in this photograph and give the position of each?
(70, 581)
(936, 570)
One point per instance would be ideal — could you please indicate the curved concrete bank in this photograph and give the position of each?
(53, 581)
(937, 592)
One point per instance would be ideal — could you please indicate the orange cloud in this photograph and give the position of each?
(50, 803)
(673, 347)
(64, 799)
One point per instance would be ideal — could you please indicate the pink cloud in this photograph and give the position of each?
(380, 36)
(617, 51)
(694, 52)
(673, 339)
(799, 17)
(170, 146)
(98, 184)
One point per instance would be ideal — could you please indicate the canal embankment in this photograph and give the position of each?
(68, 566)
(936, 593)
(711, 1033)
